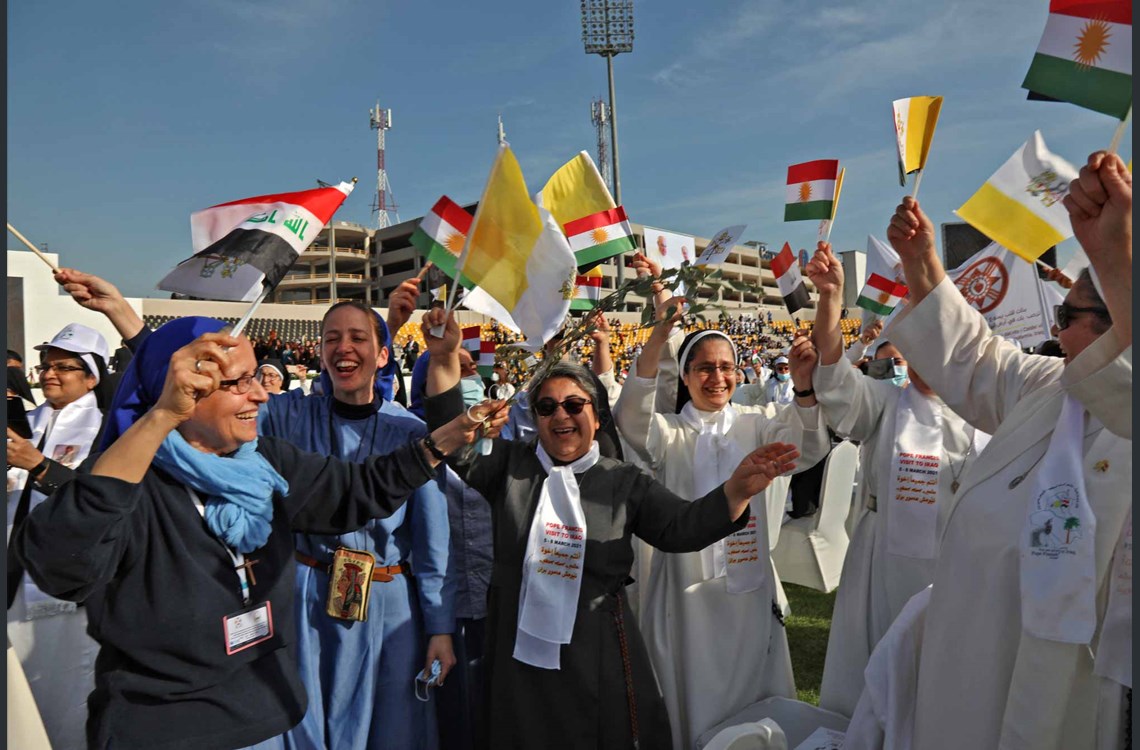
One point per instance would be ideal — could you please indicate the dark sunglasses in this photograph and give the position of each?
(1063, 313)
(547, 406)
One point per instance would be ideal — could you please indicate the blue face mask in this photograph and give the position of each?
(472, 390)
(900, 376)
(783, 376)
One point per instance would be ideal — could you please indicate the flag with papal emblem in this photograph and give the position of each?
(1020, 207)
(441, 234)
(245, 247)
(577, 197)
(811, 190)
(1085, 56)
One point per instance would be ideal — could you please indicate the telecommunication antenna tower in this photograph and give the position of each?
(600, 116)
(384, 204)
(502, 133)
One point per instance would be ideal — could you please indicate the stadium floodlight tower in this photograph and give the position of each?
(607, 30)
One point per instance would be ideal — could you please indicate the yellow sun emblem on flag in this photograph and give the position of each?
(454, 243)
(884, 297)
(805, 192)
(599, 235)
(1091, 42)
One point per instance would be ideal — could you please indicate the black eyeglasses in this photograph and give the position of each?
(547, 406)
(243, 384)
(1063, 313)
(44, 369)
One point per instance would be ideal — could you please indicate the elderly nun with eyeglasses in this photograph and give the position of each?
(179, 538)
(1027, 634)
(567, 664)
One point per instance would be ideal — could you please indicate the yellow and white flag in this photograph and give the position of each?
(915, 120)
(1020, 206)
(518, 255)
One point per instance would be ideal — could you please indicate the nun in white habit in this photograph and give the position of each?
(915, 452)
(710, 618)
(1021, 646)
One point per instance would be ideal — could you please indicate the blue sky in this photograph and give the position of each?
(123, 118)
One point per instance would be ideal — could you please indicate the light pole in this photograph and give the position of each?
(607, 30)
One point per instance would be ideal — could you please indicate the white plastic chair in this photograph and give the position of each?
(760, 735)
(812, 548)
(796, 718)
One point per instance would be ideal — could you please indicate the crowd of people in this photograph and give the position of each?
(408, 556)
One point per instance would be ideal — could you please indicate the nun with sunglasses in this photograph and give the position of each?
(728, 588)
(567, 666)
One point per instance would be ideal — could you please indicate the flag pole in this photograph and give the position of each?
(1119, 134)
(33, 248)
(241, 324)
(917, 180)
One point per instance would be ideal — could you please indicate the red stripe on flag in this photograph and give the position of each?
(593, 221)
(1114, 11)
(822, 169)
(453, 213)
(487, 347)
(590, 281)
(470, 332)
(782, 262)
(890, 286)
(321, 202)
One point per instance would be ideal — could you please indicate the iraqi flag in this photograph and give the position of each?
(247, 245)
(599, 236)
(485, 362)
(789, 279)
(471, 341)
(587, 290)
(881, 295)
(441, 234)
(1085, 56)
(811, 191)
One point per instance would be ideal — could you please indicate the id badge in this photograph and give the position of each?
(248, 627)
(350, 580)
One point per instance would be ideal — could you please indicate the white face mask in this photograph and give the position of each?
(494, 377)
(900, 376)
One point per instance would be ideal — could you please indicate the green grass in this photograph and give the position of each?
(808, 627)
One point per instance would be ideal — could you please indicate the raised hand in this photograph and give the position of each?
(824, 270)
(22, 453)
(1100, 206)
(802, 359)
(756, 472)
(90, 291)
(402, 303)
(644, 266)
(871, 332)
(601, 332)
(195, 372)
(449, 342)
(911, 233)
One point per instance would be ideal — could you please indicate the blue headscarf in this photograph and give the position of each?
(238, 489)
(382, 385)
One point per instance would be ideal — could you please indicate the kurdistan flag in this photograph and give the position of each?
(587, 290)
(1020, 207)
(915, 120)
(1085, 56)
(441, 234)
(577, 197)
(516, 253)
(246, 246)
(811, 190)
(881, 295)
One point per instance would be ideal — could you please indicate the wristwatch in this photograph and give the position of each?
(433, 448)
(803, 394)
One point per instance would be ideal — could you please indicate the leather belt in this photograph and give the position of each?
(380, 574)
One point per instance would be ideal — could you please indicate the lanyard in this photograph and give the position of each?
(240, 565)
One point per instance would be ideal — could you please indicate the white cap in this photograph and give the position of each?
(781, 360)
(79, 339)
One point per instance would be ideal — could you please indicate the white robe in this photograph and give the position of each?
(713, 653)
(57, 654)
(875, 584)
(983, 682)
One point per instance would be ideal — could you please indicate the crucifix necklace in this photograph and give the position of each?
(954, 485)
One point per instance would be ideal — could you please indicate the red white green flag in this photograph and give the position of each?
(599, 236)
(1085, 56)
(587, 290)
(486, 361)
(881, 295)
(441, 234)
(789, 279)
(471, 341)
(811, 190)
